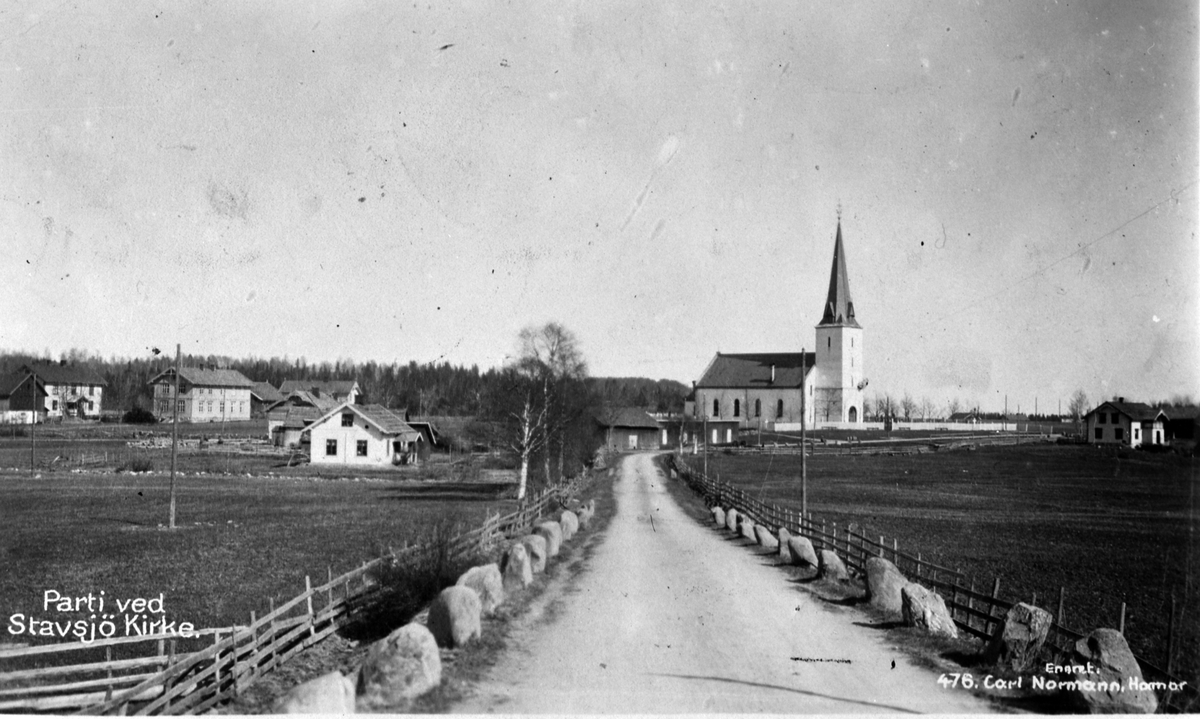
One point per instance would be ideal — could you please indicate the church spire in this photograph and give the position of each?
(839, 308)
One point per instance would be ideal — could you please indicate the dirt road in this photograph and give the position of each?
(672, 616)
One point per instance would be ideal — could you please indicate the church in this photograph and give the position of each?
(764, 390)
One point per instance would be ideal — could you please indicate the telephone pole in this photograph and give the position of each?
(803, 434)
(175, 432)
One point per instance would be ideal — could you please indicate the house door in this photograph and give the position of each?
(633, 441)
(854, 414)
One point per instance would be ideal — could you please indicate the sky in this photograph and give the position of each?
(395, 181)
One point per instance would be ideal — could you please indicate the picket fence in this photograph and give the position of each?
(163, 680)
(977, 612)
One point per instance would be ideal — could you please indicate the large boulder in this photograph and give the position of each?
(764, 537)
(831, 567)
(454, 616)
(1118, 677)
(569, 521)
(718, 515)
(781, 538)
(516, 568)
(535, 545)
(731, 519)
(1016, 643)
(329, 693)
(746, 527)
(801, 551)
(404, 665)
(926, 609)
(884, 583)
(552, 532)
(488, 583)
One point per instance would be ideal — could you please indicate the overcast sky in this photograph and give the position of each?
(393, 181)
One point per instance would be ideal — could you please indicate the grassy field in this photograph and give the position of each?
(1107, 527)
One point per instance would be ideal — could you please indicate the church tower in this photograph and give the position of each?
(836, 392)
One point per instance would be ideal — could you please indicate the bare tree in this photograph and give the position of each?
(926, 409)
(953, 407)
(1078, 405)
(908, 406)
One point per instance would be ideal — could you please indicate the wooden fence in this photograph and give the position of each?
(162, 680)
(978, 612)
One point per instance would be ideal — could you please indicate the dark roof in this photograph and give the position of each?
(293, 416)
(1134, 410)
(387, 421)
(10, 382)
(330, 387)
(626, 417)
(839, 308)
(207, 377)
(64, 374)
(754, 370)
(302, 398)
(265, 392)
(969, 414)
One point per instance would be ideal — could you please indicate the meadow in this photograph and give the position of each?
(1104, 526)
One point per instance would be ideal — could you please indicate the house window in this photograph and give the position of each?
(1137, 434)
(348, 419)
(716, 408)
(222, 406)
(757, 407)
(1103, 417)
(90, 406)
(779, 409)
(1119, 433)
(1099, 433)
(360, 448)
(828, 343)
(330, 447)
(737, 408)
(179, 405)
(54, 405)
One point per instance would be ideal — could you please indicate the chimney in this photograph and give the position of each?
(1120, 399)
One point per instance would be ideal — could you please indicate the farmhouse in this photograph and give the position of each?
(765, 390)
(337, 390)
(206, 394)
(21, 396)
(71, 390)
(1128, 423)
(363, 434)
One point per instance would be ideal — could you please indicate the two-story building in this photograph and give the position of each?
(1127, 423)
(70, 390)
(206, 394)
(369, 435)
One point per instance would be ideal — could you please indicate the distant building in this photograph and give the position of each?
(23, 399)
(206, 394)
(762, 390)
(288, 419)
(363, 435)
(71, 390)
(1127, 423)
(627, 429)
(262, 396)
(338, 390)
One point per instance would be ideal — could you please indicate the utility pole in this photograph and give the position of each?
(32, 417)
(175, 432)
(803, 433)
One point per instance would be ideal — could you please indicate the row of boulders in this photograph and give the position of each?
(407, 663)
(1110, 683)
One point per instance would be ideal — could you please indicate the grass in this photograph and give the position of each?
(1107, 527)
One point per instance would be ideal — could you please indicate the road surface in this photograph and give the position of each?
(672, 616)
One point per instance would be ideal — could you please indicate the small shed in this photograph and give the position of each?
(627, 429)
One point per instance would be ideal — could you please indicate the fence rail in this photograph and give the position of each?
(976, 613)
(195, 681)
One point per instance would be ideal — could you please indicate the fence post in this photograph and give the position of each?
(1121, 628)
(918, 565)
(896, 551)
(1061, 591)
(1171, 639)
(251, 670)
(992, 607)
(971, 606)
(271, 600)
(881, 546)
(108, 660)
(217, 663)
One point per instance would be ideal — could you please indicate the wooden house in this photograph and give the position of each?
(369, 435)
(1128, 423)
(206, 394)
(71, 390)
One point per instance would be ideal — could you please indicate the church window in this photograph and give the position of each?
(778, 409)
(829, 343)
(716, 408)
(757, 407)
(737, 408)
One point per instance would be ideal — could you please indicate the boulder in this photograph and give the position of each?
(746, 527)
(927, 610)
(1016, 643)
(731, 519)
(552, 533)
(830, 566)
(764, 537)
(782, 537)
(802, 552)
(585, 517)
(488, 583)
(329, 693)
(517, 568)
(569, 521)
(454, 616)
(884, 583)
(1106, 653)
(404, 665)
(535, 546)
(718, 515)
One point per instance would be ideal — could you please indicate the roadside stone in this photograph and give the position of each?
(552, 532)
(454, 616)
(585, 515)
(1016, 643)
(517, 568)
(731, 519)
(535, 545)
(398, 668)
(746, 527)
(782, 537)
(718, 516)
(925, 609)
(488, 583)
(884, 584)
(831, 567)
(329, 693)
(569, 521)
(765, 538)
(802, 552)
(1106, 651)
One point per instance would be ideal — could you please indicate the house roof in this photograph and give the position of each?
(626, 417)
(207, 377)
(329, 387)
(265, 392)
(754, 370)
(839, 308)
(64, 374)
(384, 419)
(293, 416)
(304, 398)
(1134, 410)
(9, 383)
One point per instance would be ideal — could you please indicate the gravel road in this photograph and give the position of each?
(673, 616)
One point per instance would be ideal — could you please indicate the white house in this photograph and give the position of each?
(1128, 423)
(206, 394)
(70, 390)
(369, 435)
